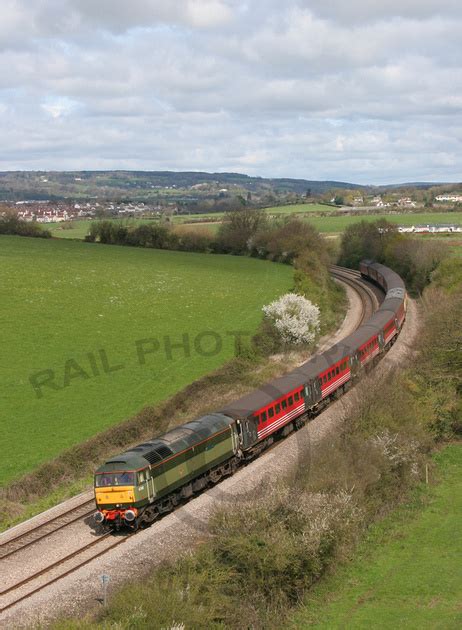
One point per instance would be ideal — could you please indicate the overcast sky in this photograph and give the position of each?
(368, 91)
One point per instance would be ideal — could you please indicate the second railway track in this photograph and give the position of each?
(37, 580)
(368, 294)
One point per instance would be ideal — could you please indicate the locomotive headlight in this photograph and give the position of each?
(130, 515)
(98, 518)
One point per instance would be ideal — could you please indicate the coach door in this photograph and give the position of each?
(313, 392)
(249, 431)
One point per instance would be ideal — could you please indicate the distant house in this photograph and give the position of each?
(406, 202)
(452, 198)
(431, 229)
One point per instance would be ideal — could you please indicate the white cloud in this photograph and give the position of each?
(359, 91)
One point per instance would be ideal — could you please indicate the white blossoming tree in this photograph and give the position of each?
(294, 317)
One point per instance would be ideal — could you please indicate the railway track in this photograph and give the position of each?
(56, 570)
(60, 569)
(367, 293)
(45, 529)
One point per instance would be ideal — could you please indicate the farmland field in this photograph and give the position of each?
(338, 224)
(79, 229)
(81, 311)
(300, 208)
(326, 224)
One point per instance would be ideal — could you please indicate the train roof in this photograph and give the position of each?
(164, 446)
(281, 386)
(392, 279)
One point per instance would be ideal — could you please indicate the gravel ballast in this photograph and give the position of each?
(180, 531)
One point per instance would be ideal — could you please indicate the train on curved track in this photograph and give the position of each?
(137, 486)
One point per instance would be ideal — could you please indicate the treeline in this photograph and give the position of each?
(263, 557)
(246, 231)
(414, 259)
(10, 224)
(151, 235)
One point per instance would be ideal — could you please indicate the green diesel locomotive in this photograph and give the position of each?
(137, 486)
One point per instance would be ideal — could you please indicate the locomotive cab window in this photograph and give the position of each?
(103, 480)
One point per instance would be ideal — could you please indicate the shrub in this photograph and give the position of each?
(414, 260)
(10, 224)
(284, 240)
(239, 229)
(194, 240)
(294, 317)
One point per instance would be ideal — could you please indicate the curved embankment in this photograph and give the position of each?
(167, 537)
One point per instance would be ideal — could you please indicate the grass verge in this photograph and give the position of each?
(407, 572)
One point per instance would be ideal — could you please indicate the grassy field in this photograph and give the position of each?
(300, 208)
(338, 224)
(79, 309)
(79, 229)
(325, 224)
(408, 572)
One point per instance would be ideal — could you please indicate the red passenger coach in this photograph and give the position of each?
(280, 412)
(369, 350)
(389, 331)
(336, 375)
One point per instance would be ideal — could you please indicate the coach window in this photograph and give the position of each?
(329, 376)
(337, 370)
(291, 400)
(263, 416)
(278, 408)
(271, 412)
(297, 396)
(284, 404)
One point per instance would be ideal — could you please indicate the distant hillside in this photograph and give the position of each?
(151, 185)
(145, 185)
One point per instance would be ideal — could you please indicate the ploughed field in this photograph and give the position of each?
(90, 334)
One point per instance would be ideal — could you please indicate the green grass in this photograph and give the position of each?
(300, 208)
(339, 223)
(408, 573)
(326, 224)
(65, 300)
(79, 229)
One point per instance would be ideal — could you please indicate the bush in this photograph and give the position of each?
(194, 240)
(295, 319)
(414, 260)
(239, 229)
(10, 224)
(284, 240)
